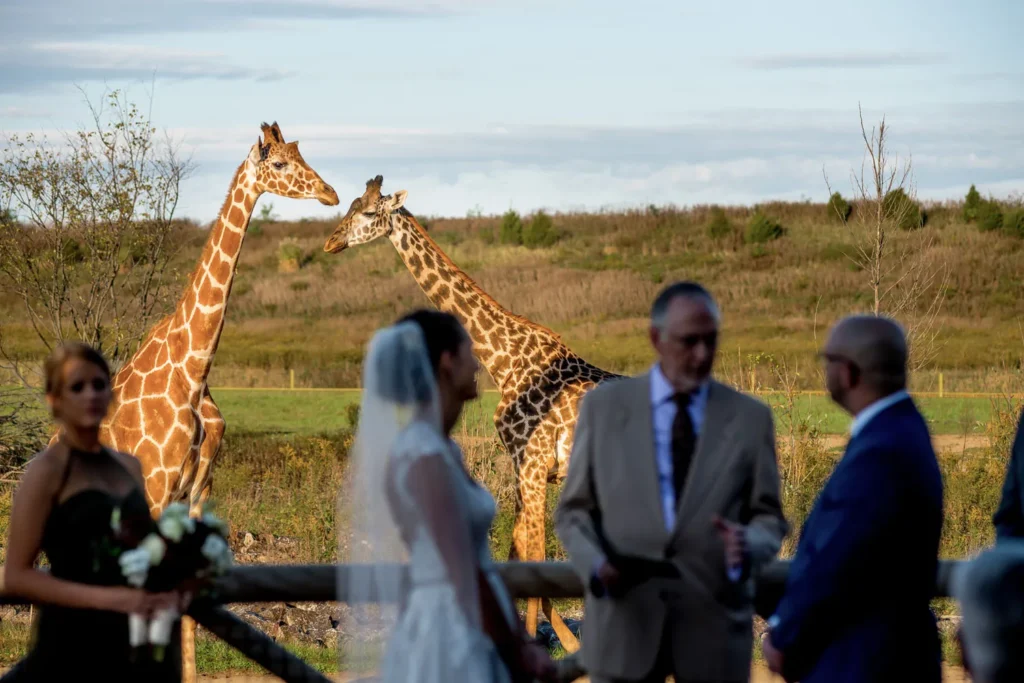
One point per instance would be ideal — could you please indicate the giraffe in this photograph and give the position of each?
(539, 378)
(162, 411)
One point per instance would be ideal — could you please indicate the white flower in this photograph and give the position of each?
(172, 528)
(155, 546)
(216, 550)
(134, 565)
(216, 523)
(175, 522)
(115, 520)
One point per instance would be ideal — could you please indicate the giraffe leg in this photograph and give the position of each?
(213, 432)
(528, 528)
(213, 428)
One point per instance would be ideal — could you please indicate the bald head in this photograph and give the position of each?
(876, 345)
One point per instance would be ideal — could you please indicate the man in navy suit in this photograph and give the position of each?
(856, 602)
(1009, 517)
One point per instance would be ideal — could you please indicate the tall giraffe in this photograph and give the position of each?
(540, 379)
(163, 412)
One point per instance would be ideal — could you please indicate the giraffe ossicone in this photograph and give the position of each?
(540, 379)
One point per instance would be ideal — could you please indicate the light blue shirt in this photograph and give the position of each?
(663, 412)
(865, 416)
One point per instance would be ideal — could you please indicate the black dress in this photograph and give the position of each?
(73, 642)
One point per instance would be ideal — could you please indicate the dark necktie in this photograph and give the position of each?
(683, 441)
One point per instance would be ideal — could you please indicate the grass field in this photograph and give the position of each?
(283, 460)
(313, 412)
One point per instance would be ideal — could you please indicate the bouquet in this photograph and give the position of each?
(178, 552)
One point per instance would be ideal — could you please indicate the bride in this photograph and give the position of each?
(413, 500)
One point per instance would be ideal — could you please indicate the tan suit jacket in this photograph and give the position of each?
(613, 471)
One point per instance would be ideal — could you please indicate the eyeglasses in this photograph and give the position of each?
(98, 384)
(691, 340)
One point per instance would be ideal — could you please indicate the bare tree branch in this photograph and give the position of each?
(89, 231)
(901, 280)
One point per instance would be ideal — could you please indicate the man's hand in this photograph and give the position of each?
(610, 577)
(771, 656)
(734, 536)
(538, 662)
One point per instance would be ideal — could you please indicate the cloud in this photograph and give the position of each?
(726, 156)
(739, 160)
(44, 64)
(27, 20)
(65, 41)
(840, 60)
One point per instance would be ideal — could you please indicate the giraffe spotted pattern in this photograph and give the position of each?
(539, 378)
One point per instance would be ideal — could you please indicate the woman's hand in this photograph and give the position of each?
(538, 662)
(137, 601)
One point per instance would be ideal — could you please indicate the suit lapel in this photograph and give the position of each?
(713, 452)
(637, 435)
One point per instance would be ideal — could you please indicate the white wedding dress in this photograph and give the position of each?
(433, 642)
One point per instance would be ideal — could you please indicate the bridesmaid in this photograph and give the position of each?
(62, 507)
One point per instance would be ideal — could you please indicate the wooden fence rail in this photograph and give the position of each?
(322, 583)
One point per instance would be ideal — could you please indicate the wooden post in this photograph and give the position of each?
(291, 378)
(940, 385)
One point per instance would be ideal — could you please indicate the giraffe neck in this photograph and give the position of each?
(199, 318)
(498, 335)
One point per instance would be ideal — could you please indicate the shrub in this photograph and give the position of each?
(903, 210)
(289, 256)
(971, 205)
(838, 208)
(1013, 223)
(718, 225)
(540, 232)
(990, 216)
(72, 251)
(511, 230)
(763, 229)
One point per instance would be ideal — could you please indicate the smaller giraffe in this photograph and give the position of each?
(541, 380)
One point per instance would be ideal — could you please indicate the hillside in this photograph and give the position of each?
(594, 285)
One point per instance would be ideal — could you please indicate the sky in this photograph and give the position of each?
(562, 105)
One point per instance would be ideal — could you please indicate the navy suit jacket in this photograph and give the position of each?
(1009, 517)
(856, 603)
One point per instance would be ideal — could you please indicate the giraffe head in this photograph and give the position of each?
(280, 169)
(370, 216)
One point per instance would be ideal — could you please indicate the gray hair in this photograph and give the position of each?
(990, 590)
(685, 289)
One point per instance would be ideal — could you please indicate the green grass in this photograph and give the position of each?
(265, 411)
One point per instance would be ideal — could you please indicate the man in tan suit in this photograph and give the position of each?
(672, 465)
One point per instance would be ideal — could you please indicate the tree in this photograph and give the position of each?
(511, 231)
(838, 209)
(904, 283)
(93, 235)
(971, 203)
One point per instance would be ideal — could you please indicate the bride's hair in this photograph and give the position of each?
(442, 332)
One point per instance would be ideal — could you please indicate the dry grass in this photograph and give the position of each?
(594, 288)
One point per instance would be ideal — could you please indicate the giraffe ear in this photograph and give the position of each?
(254, 153)
(398, 199)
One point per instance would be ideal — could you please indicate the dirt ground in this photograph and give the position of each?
(759, 674)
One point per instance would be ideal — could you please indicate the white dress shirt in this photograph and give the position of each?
(663, 412)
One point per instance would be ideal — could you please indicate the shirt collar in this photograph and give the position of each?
(662, 391)
(869, 413)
